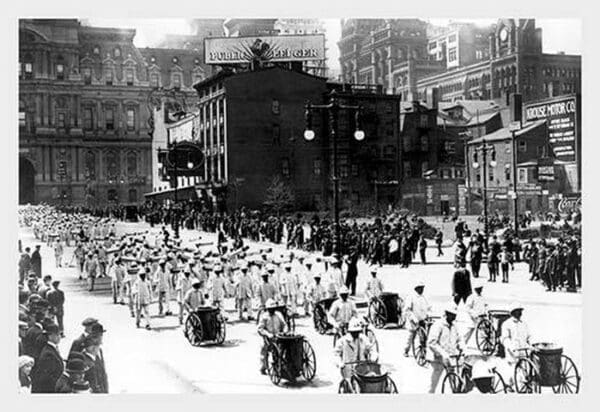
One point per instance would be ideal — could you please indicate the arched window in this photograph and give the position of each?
(117, 52)
(28, 66)
(112, 195)
(60, 68)
(90, 165)
(112, 165)
(132, 164)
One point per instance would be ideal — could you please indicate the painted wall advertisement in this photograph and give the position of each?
(561, 117)
(235, 50)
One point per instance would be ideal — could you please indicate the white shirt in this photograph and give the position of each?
(515, 335)
(476, 305)
(418, 307)
(443, 340)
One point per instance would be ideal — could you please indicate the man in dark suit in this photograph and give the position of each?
(49, 366)
(56, 299)
(77, 345)
(36, 261)
(94, 361)
(352, 272)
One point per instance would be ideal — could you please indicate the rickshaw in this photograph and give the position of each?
(545, 365)
(205, 325)
(367, 331)
(385, 309)
(419, 342)
(290, 356)
(365, 377)
(285, 312)
(458, 377)
(487, 332)
(320, 311)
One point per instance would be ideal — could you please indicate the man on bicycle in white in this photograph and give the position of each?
(374, 285)
(342, 310)
(514, 337)
(353, 347)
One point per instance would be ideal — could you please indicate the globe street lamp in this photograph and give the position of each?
(332, 109)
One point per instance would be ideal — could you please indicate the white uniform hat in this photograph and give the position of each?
(515, 305)
(481, 369)
(419, 282)
(354, 325)
(270, 303)
(309, 262)
(242, 263)
(287, 265)
(344, 289)
(451, 308)
(373, 269)
(477, 283)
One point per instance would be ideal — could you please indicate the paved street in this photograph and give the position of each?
(162, 361)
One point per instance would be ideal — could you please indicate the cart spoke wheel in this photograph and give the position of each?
(391, 386)
(498, 384)
(569, 377)
(526, 377)
(373, 340)
(485, 336)
(309, 361)
(452, 383)
(193, 329)
(419, 345)
(220, 324)
(377, 313)
(344, 387)
(274, 364)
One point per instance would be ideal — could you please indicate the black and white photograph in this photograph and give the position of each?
(293, 205)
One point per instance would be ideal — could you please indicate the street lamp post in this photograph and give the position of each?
(333, 108)
(484, 151)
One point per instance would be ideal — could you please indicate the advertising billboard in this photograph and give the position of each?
(236, 50)
(562, 117)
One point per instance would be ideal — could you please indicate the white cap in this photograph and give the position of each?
(373, 269)
(477, 283)
(419, 282)
(270, 303)
(354, 325)
(344, 289)
(451, 308)
(515, 305)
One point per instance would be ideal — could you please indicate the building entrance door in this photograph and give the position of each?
(26, 182)
(445, 207)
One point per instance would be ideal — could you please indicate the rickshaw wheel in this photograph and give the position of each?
(309, 361)
(355, 384)
(274, 364)
(377, 313)
(373, 339)
(499, 386)
(344, 387)
(391, 386)
(419, 345)
(193, 329)
(569, 377)
(485, 336)
(318, 318)
(526, 377)
(220, 325)
(452, 383)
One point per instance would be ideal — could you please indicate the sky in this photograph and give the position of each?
(557, 34)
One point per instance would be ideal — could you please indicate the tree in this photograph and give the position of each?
(279, 196)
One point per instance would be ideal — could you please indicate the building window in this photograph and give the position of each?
(285, 168)
(407, 169)
(133, 196)
(425, 143)
(109, 118)
(88, 118)
(130, 119)
(28, 70)
(275, 106)
(424, 168)
(423, 121)
(541, 151)
(60, 71)
(478, 177)
(450, 146)
(90, 165)
(354, 170)
(276, 134)
(452, 54)
(460, 173)
(355, 199)
(22, 118)
(112, 166)
(507, 171)
(522, 175)
(522, 146)
(154, 80)
(96, 50)
(109, 77)
(131, 164)
(389, 152)
(388, 108)
(490, 173)
(87, 75)
(60, 120)
(432, 45)
(508, 146)
(117, 52)
(478, 54)
(317, 167)
(176, 80)
(452, 38)
(343, 165)
(129, 77)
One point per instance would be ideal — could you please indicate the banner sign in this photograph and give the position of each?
(235, 50)
(569, 202)
(561, 117)
(546, 173)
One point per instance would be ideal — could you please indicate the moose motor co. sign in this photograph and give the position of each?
(236, 50)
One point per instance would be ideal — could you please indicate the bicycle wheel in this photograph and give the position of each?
(526, 378)
(498, 384)
(485, 337)
(569, 377)
(377, 313)
(419, 346)
(452, 383)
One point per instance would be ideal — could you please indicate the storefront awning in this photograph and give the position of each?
(183, 193)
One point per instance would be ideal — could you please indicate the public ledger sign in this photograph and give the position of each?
(561, 117)
(235, 50)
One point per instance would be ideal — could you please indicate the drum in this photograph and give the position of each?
(547, 356)
(291, 348)
(208, 317)
(390, 301)
(371, 377)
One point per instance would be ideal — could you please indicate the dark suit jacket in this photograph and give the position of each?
(77, 345)
(96, 374)
(30, 341)
(46, 371)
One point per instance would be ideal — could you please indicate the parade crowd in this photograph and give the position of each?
(147, 268)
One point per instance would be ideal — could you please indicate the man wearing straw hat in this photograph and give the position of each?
(417, 310)
(443, 342)
(270, 324)
(353, 347)
(476, 306)
(515, 334)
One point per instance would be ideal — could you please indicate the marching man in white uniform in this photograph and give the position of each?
(476, 305)
(374, 286)
(514, 337)
(417, 310)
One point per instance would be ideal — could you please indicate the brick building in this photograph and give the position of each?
(401, 55)
(86, 95)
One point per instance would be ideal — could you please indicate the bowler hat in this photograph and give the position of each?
(76, 365)
(51, 329)
(81, 386)
(76, 355)
(97, 329)
(89, 321)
